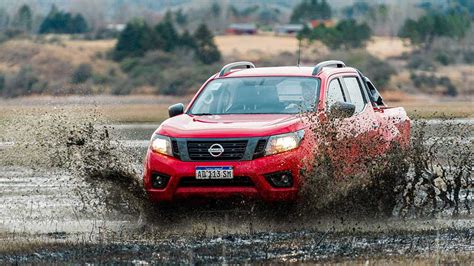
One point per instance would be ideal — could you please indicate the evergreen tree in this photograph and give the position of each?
(166, 35)
(24, 18)
(134, 40)
(181, 18)
(311, 10)
(206, 49)
(187, 40)
(63, 22)
(79, 24)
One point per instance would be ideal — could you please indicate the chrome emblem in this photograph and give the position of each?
(216, 150)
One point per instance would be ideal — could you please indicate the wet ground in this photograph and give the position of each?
(50, 214)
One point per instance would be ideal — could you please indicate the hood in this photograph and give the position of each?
(229, 126)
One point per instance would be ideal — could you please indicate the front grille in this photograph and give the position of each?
(233, 150)
(237, 181)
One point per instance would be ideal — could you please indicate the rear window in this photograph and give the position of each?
(257, 95)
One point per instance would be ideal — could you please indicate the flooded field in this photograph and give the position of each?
(67, 206)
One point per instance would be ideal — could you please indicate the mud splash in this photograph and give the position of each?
(432, 176)
(441, 179)
(72, 140)
(428, 175)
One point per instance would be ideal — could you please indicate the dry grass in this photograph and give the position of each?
(422, 106)
(116, 109)
(136, 113)
(253, 47)
(54, 61)
(385, 47)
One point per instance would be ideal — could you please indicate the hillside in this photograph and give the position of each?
(50, 63)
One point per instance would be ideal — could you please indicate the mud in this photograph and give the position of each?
(71, 192)
(298, 246)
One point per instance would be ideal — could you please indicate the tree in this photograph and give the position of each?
(181, 18)
(347, 33)
(63, 22)
(187, 40)
(433, 25)
(24, 18)
(215, 9)
(134, 40)
(206, 49)
(311, 10)
(166, 35)
(353, 35)
(78, 24)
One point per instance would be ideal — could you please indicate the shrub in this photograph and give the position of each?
(174, 73)
(444, 58)
(2, 83)
(422, 62)
(431, 82)
(82, 74)
(99, 79)
(469, 57)
(25, 82)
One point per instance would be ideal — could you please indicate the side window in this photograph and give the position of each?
(334, 93)
(355, 93)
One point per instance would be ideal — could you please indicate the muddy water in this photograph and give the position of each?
(54, 205)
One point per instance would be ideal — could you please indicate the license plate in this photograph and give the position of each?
(217, 172)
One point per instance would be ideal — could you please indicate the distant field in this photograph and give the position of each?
(255, 45)
(154, 109)
(258, 45)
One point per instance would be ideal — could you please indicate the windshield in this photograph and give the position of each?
(257, 95)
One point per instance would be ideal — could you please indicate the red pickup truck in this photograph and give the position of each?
(243, 132)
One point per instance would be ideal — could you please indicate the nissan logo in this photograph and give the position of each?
(216, 150)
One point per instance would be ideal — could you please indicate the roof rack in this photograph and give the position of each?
(226, 69)
(329, 63)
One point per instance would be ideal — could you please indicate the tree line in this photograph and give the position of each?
(57, 21)
(139, 37)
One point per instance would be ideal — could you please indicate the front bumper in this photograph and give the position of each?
(255, 170)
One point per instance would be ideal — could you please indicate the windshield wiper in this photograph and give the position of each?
(198, 114)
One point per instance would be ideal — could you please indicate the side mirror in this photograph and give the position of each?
(176, 109)
(342, 110)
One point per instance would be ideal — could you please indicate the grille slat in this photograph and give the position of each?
(233, 150)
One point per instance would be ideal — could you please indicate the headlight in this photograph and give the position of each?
(284, 142)
(161, 144)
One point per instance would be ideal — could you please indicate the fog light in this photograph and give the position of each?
(159, 180)
(280, 179)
